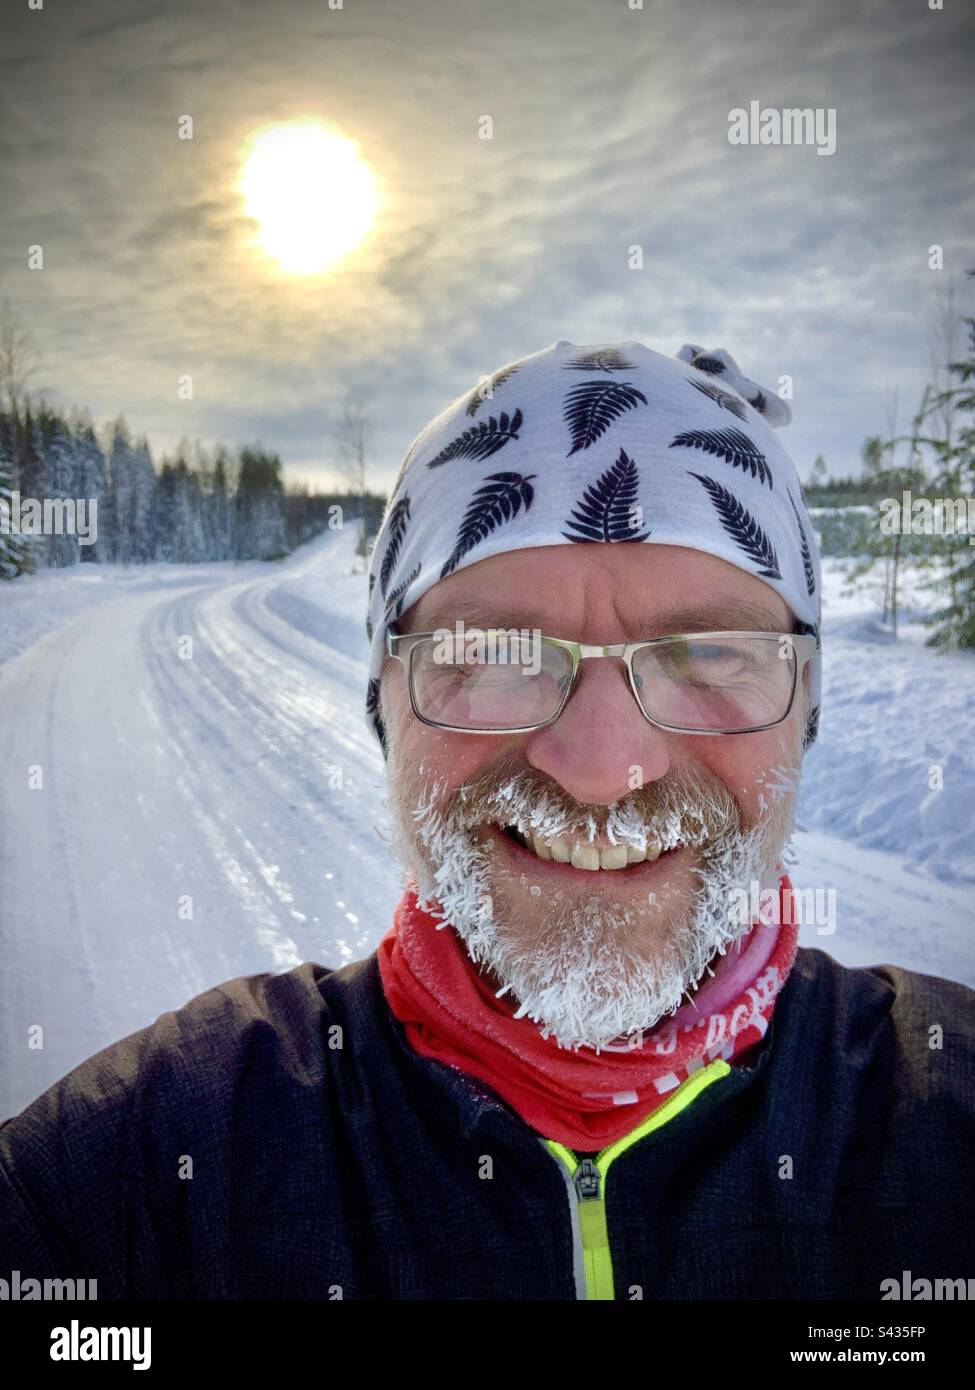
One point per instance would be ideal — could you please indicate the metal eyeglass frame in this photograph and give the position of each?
(399, 645)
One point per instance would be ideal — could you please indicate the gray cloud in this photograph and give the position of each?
(610, 130)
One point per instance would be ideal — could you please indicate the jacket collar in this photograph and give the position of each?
(476, 1105)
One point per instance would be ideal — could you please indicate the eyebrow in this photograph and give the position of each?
(736, 614)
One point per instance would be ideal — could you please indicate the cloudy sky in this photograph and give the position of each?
(610, 130)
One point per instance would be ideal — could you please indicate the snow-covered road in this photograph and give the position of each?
(211, 804)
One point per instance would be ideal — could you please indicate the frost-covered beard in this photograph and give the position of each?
(595, 972)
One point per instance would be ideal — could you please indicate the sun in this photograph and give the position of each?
(311, 193)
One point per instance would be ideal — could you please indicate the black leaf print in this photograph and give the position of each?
(368, 629)
(712, 365)
(398, 519)
(606, 510)
(812, 727)
(592, 406)
(742, 527)
(760, 403)
(731, 445)
(395, 600)
(372, 582)
(500, 499)
(481, 441)
(479, 395)
(724, 398)
(602, 360)
(373, 708)
(807, 563)
(372, 695)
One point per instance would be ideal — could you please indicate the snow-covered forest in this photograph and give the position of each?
(198, 505)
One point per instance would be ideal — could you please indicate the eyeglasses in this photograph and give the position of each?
(511, 681)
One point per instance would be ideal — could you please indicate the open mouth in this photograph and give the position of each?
(579, 854)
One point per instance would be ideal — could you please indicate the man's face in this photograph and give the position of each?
(593, 954)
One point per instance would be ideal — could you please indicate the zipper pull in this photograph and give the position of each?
(588, 1180)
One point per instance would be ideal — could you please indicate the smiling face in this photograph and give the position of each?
(506, 831)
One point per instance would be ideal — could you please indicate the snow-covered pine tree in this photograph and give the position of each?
(954, 620)
(16, 551)
(118, 494)
(141, 502)
(56, 444)
(188, 515)
(260, 527)
(90, 481)
(220, 509)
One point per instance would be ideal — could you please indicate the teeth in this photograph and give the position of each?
(585, 857)
(614, 858)
(582, 856)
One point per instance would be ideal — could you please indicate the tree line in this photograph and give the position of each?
(196, 506)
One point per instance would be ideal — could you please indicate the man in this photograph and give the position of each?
(578, 1065)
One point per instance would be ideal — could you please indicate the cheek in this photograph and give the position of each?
(750, 764)
(452, 758)
(444, 756)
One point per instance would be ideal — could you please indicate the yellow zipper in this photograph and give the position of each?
(588, 1178)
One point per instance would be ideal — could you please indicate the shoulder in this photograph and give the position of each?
(261, 1040)
(242, 1064)
(913, 1032)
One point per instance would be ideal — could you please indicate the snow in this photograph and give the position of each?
(220, 811)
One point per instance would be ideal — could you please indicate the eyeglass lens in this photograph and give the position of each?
(704, 684)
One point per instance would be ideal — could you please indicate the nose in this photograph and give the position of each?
(601, 747)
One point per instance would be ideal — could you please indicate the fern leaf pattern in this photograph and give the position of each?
(479, 395)
(731, 445)
(723, 398)
(394, 604)
(742, 527)
(501, 498)
(602, 360)
(481, 441)
(398, 521)
(807, 564)
(606, 509)
(712, 365)
(373, 709)
(592, 406)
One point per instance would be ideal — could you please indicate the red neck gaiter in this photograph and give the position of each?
(579, 1097)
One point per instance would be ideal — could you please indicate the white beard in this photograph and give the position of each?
(577, 979)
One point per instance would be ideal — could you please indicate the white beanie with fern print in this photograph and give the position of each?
(606, 444)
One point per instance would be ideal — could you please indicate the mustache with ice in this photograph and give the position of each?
(686, 809)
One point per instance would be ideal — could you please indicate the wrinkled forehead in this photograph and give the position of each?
(639, 588)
